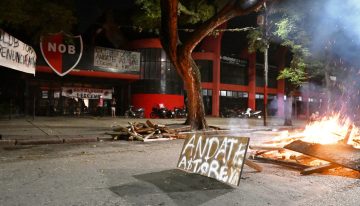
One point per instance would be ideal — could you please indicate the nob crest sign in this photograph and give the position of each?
(61, 51)
(217, 157)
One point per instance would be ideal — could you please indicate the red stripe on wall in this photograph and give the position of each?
(86, 73)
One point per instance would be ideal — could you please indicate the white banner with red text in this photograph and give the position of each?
(86, 93)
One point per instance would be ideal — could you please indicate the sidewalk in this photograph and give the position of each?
(58, 130)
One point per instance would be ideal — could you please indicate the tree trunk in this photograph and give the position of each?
(196, 112)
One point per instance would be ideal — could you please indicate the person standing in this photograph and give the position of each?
(113, 107)
(100, 106)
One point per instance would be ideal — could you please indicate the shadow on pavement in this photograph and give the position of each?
(183, 189)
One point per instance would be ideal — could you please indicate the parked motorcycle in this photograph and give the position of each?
(132, 112)
(249, 113)
(160, 111)
(231, 113)
(180, 112)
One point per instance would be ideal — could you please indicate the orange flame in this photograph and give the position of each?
(328, 130)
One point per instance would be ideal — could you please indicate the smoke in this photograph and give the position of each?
(336, 28)
(330, 25)
(335, 25)
(272, 107)
(333, 30)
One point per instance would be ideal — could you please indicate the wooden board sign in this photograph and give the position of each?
(217, 157)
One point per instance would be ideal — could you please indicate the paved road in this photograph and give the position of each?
(135, 173)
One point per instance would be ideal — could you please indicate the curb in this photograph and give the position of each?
(13, 142)
(7, 142)
(39, 141)
(107, 139)
(80, 139)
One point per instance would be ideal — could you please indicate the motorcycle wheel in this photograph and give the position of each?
(127, 114)
(153, 115)
(141, 115)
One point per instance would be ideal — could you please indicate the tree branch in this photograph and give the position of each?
(230, 10)
(186, 11)
(169, 32)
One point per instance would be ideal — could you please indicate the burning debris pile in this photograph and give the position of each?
(147, 132)
(329, 143)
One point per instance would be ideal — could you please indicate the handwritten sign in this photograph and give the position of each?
(15, 54)
(120, 60)
(221, 158)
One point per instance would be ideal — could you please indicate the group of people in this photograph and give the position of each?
(101, 104)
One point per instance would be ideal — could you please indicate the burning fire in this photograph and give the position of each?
(327, 130)
(334, 129)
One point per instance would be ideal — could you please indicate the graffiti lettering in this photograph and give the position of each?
(15, 54)
(8, 40)
(219, 157)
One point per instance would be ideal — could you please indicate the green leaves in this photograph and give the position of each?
(37, 17)
(195, 12)
(256, 41)
(190, 12)
(283, 28)
(296, 73)
(148, 16)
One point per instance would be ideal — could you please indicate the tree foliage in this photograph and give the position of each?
(294, 37)
(285, 27)
(37, 17)
(148, 15)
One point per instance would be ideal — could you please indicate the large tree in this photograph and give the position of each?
(206, 16)
(28, 20)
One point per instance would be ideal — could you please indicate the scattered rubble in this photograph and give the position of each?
(147, 132)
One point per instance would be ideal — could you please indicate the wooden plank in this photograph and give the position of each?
(182, 129)
(348, 133)
(144, 130)
(150, 124)
(253, 165)
(292, 165)
(215, 127)
(158, 139)
(318, 169)
(341, 154)
(148, 136)
(119, 128)
(266, 147)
